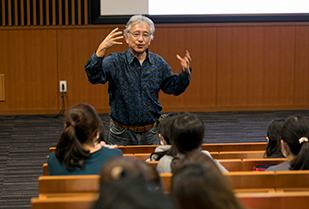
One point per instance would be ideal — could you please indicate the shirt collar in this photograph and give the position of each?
(131, 57)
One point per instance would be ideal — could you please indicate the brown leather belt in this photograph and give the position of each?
(136, 128)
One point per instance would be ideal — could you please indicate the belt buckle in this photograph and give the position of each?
(139, 128)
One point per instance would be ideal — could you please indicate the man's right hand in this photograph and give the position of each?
(110, 40)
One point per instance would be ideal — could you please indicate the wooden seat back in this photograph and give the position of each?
(249, 164)
(238, 154)
(71, 185)
(76, 202)
(214, 147)
(240, 181)
(231, 164)
(292, 180)
(142, 156)
(140, 149)
(284, 200)
(249, 181)
(45, 169)
(166, 181)
(220, 147)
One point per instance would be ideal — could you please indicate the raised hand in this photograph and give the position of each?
(110, 40)
(185, 62)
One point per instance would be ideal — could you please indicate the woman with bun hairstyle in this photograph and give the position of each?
(294, 144)
(79, 150)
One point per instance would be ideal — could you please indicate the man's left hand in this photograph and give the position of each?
(185, 62)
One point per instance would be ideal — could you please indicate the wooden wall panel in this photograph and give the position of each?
(256, 66)
(201, 43)
(235, 66)
(28, 61)
(302, 66)
(75, 47)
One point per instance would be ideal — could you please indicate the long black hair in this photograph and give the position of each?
(273, 133)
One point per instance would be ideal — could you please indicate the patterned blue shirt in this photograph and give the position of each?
(134, 88)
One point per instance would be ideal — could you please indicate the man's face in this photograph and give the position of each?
(139, 38)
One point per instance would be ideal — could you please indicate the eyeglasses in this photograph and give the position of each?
(138, 34)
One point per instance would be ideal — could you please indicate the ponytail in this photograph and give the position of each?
(69, 150)
(301, 162)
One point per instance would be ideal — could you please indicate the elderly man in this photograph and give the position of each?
(135, 78)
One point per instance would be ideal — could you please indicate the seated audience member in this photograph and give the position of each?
(186, 135)
(294, 144)
(131, 193)
(197, 183)
(273, 149)
(163, 132)
(118, 168)
(78, 150)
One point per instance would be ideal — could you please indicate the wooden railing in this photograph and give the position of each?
(43, 12)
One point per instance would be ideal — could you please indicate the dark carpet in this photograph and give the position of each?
(25, 140)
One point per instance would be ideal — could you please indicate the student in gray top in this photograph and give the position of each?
(294, 144)
(187, 136)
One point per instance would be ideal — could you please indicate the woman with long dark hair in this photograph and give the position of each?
(78, 150)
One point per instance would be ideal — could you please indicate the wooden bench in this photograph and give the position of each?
(237, 154)
(249, 181)
(45, 169)
(69, 185)
(293, 200)
(122, 148)
(240, 181)
(260, 182)
(241, 164)
(257, 190)
(248, 164)
(76, 202)
(254, 189)
(286, 200)
(220, 147)
(288, 181)
(229, 164)
(217, 155)
(166, 181)
(145, 156)
(215, 147)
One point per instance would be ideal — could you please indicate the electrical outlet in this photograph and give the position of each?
(63, 86)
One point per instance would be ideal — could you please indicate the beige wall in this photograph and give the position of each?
(256, 66)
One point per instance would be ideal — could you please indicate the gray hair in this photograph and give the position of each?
(139, 19)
